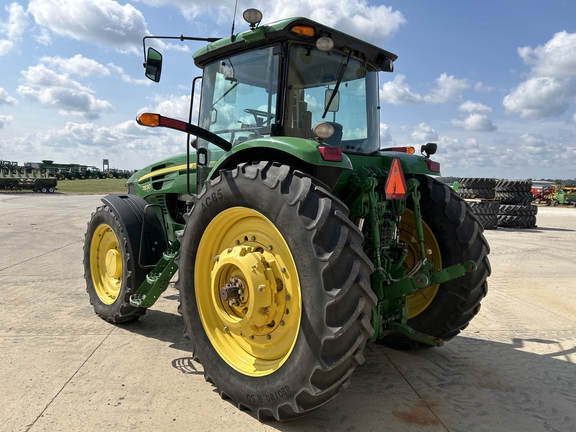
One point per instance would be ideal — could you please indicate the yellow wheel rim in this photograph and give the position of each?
(419, 301)
(247, 291)
(106, 264)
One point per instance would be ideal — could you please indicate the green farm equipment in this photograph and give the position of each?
(32, 175)
(296, 237)
(564, 196)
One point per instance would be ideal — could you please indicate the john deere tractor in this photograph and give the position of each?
(297, 238)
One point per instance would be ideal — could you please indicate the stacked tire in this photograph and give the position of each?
(516, 210)
(486, 212)
(479, 194)
(476, 188)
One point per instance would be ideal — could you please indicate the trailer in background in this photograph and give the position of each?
(24, 179)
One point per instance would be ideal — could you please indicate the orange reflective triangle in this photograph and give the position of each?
(395, 183)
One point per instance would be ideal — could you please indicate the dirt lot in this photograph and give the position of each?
(63, 368)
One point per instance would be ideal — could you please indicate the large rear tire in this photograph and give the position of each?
(274, 288)
(452, 235)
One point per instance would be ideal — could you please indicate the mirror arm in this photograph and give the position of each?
(180, 38)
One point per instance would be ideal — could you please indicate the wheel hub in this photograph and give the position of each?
(113, 263)
(249, 303)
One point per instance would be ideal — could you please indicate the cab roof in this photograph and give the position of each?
(279, 31)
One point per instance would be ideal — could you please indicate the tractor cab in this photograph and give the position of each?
(294, 79)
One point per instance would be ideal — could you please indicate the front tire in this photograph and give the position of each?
(274, 290)
(452, 235)
(111, 273)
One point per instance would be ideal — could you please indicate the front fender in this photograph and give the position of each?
(147, 244)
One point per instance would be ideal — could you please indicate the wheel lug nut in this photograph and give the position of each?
(253, 238)
(225, 329)
(281, 323)
(260, 288)
(287, 298)
(251, 337)
(217, 258)
(268, 337)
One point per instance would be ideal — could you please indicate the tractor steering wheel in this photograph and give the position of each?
(261, 118)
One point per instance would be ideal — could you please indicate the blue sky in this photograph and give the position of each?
(492, 82)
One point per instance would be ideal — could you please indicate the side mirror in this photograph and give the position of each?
(153, 65)
(335, 104)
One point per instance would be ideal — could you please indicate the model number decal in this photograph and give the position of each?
(282, 392)
(212, 199)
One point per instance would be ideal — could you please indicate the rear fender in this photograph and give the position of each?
(299, 153)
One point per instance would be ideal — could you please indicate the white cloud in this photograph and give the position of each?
(386, 139)
(397, 92)
(77, 65)
(475, 122)
(462, 156)
(423, 134)
(540, 97)
(550, 87)
(127, 78)
(482, 88)
(373, 23)
(5, 46)
(13, 27)
(370, 22)
(544, 150)
(557, 57)
(176, 106)
(6, 99)
(102, 22)
(17, 21)
(529, 152)
(5, 120)
(127, 145)
(475, 107)
(44, 37)
(447, 88)
(59, 91)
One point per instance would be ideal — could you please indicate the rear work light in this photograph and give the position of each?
(395, 187)
(330, 154)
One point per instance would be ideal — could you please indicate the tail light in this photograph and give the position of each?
(433, 165)
(331, 154)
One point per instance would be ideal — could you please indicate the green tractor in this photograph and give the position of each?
(296, 237)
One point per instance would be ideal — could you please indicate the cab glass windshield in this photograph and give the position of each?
(239, 96)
